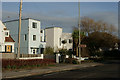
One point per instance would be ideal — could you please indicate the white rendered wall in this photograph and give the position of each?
(49, 37)
(57, 36)
(53, 36)
(2, 37)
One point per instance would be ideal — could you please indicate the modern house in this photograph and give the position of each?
(6, 41)
(54, 37)
(69, 41)
(30, 40)
(42, 40)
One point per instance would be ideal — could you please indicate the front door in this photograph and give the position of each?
(8, 48)
(34, 51)
(42, 50)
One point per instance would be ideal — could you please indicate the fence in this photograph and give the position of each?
(30, 56)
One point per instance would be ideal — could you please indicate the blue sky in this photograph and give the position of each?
(63, 14)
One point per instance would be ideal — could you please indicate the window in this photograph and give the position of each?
(8, 48)
(34, 25)
(60, 41)
(33, 51)
(70, 40)
(41, 31)
(41, 38)
(25, 37)
(6, 33)
(44, 38)
(34, 37)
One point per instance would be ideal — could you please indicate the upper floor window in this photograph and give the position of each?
(45, 38)
(41, 31)
(34, 25)
(41, 38)
(6, 33)
(25, 37)
(34, 37)
(60, 41)
(70, 40)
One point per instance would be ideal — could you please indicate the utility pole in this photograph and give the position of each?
(19, 31)
(79, 33)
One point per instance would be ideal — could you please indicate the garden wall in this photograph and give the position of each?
(49, 56)
(7, 55)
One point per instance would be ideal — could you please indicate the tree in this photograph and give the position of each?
(89, 25)
(75, 36)
(100, 35)
(97, 40)
(48, 50)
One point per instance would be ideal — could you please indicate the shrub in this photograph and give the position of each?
(15, 63)
(74, 61)
(49, 50)
(71, 61)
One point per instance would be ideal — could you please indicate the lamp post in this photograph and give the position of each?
(79, 33)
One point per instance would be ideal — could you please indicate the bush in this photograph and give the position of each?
(113, 53)
(16, 63)
(71, 61)
(49, 50)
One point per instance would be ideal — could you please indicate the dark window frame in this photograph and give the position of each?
(34, 25)
(34, 37)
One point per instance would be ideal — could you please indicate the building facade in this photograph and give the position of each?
(55, 36)
(69, 41)
(30, 35)
(6, 41)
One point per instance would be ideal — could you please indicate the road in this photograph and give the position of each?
(108, 70)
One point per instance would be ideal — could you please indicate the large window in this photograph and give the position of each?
(34, 25)
(34, 37)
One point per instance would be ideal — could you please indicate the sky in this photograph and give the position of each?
(62, 14)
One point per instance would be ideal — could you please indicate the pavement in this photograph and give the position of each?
(45, 70)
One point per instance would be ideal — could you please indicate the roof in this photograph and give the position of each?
(52, 27)
(9, 39)
(21, 19)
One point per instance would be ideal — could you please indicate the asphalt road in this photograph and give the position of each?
(111, 70)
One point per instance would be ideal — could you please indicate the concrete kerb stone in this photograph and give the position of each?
(50, 70)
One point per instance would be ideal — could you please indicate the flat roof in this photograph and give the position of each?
(53, 27)
(21, 19)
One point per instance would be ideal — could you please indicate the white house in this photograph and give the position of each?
(55, 36)
(30, 42)
(69, 41)
(42, 40)
(6, 41)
